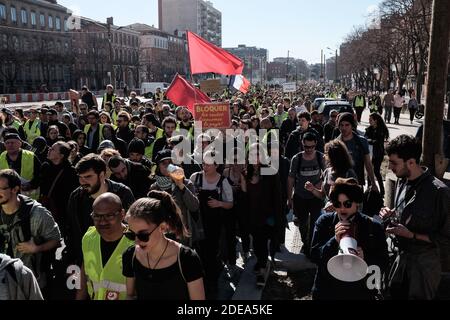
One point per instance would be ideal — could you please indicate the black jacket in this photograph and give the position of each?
(295, 145)
(160, 144)
(64, 186)
(371, 238)
(137, 179)
(126, 134)
(328, 131)
(376, 138)
(79, 220)
(286, 129)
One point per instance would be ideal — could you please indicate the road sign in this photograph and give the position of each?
(289, 87)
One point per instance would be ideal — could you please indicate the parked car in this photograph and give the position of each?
(341, 106)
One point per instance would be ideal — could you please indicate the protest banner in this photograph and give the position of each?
(213, 115)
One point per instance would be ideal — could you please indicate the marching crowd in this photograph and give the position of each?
(142, 220)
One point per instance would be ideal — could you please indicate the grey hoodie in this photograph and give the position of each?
(22, 286)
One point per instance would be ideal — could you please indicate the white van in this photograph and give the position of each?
(149, 88)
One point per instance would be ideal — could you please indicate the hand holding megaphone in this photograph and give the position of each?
(341, 229)
(349, 264)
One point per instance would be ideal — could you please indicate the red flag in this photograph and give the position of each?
(183, 93)
(206, 57)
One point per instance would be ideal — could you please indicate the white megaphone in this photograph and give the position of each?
(347, 266)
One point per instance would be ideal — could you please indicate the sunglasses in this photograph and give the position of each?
(309, 147)
(142, 236)
(347, 204)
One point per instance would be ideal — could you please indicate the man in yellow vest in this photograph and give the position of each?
(24, 162)
(103, 245)
(93, 130)
(280, 115)
(185, 123)
(9, 120)
(32, 127)
(149, 120)
(115, 112)
(109, 95)
(359, 103)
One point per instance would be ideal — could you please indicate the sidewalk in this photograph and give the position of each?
(289, 260)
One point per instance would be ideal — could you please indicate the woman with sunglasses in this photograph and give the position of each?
(158, 268)
(330, 228)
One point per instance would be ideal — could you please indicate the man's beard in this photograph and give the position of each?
(404, 173)
(94, 189)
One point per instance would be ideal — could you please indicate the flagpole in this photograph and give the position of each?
(190, 69)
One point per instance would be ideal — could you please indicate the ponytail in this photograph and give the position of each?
(159, 207)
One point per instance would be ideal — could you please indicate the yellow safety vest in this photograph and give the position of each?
(33, 132)
(279, 118)
(100, 134)
(149, 149)
(105, 97)
(114, 117)
(26, 170)
(190, 132)
(359, 103)
(104, 283)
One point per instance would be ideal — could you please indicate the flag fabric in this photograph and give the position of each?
(205, 57)
(183, 93)
(240, 83)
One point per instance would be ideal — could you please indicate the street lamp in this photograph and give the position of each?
(335, 63)
(287, 67)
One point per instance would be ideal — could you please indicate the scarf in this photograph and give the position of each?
(164, 183)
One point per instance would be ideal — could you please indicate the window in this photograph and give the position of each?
(42, 19)
(50, 22)
(2, 11)
(24, 15)
(13, 14)
(33, 18)
(66, 27)
(58, 23)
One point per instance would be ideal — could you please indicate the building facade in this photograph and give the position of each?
(35, 47)
(255, 61)
(161, 55)
(177, 16)
(105, 53)
(289, 69)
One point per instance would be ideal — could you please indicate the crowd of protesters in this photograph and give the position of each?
(142, 220)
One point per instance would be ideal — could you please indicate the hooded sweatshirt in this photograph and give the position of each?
(17, 282)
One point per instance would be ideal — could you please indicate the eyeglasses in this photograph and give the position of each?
(309, 147)
(142, 236)
(106, 217)
(347, 204)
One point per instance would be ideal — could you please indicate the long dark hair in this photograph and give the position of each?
(337, 155)
(159, 207)
(381, 125)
